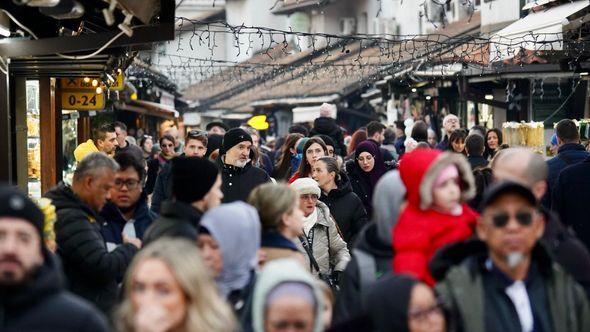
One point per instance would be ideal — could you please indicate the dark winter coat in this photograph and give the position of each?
(328, 126)
(355, 279)
(91, 270)
(114, 221)
(567, 155)
(131, 149)
(153, 166)
(238, 182)
(44, 305)
(399, 145)
(177, 219)
(360, 185)
(162, 188)
(347, 209)
(276, 246)
(477, 161)
(570, 198)
(466, 291)
(444, 144)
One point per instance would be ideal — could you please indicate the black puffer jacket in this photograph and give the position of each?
(347, 209)
(91, 270)
(356, 279)
(178, 219)
(328, 126)
(360, 185)
(238, 182)
(43, 305)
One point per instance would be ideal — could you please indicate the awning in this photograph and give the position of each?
(236, 116)
(308, 114)
(296, 100)
(538, 31)
(440, 70)
(148, 108)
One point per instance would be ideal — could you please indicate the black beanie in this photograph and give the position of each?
(14, 203)
(234, 137)
(192, 178)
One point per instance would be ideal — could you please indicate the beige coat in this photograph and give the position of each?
(326, 233)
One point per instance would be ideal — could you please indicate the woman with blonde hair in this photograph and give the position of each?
(165, 291)
(281, 219)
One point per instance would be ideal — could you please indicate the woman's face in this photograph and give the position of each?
(211, 253)
(313, 153)
(167, 148)
(424, 314)
(147, 145)
(294, 221)
(493, 140)
(156, 292)
(289, 313)
(319, 172)
(458, 145)
(307, 203)
(366, 161)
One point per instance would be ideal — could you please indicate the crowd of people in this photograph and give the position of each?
(386, 229)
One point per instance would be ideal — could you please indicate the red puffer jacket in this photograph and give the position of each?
(420, 230)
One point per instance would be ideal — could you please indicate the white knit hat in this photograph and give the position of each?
(328, 110)
(306, 186)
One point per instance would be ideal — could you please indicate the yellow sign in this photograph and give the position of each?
(258, 122)
(74, 100)
(75, 83)
(118, 84)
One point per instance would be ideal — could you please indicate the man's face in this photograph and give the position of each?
(379, 137)
(98, 188)
(214, 196)
(20, 251)
(127, 189)
(121, 135)
(451, 124)
(109, 144)
(510, 225)
(217, 130)
(194, 148)
(239, 155)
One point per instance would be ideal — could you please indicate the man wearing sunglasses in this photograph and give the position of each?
(127, 213)
(510, 283)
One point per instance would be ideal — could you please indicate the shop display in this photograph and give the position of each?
(524, 134)
(33, 139)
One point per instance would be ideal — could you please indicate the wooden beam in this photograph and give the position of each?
(5, 132)
(50, 119)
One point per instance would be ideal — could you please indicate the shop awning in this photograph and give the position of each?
(307, 114)
(538, 31)
(148, 108)
(440, 70)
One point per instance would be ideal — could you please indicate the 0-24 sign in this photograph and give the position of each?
(77, 100)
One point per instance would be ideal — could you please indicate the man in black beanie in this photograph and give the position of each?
(32, 294)
(196, 188)
(235, 162)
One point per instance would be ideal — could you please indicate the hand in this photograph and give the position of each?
(134, 241)
(152, 318)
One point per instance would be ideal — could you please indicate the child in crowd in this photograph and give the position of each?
(438, 185)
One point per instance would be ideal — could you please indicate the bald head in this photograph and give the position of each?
(522, 166)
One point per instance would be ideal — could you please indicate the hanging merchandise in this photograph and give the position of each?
(524, 134)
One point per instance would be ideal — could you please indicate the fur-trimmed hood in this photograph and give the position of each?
(420, 168)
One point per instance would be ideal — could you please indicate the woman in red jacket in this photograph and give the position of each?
(438, 185)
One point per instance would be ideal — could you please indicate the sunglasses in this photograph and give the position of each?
(500, 220)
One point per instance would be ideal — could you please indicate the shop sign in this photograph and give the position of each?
(117, 85)
(82, 100)
(76, 83)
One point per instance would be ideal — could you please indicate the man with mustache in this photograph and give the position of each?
(509, 281)
(32, 294)
(238, 174)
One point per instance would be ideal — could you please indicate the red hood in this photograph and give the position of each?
(420, 168)
(412, 168)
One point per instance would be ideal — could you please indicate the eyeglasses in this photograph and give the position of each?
(500, 220)
(307, 197)
(367, 159)
(130, 184)
(424, 314)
